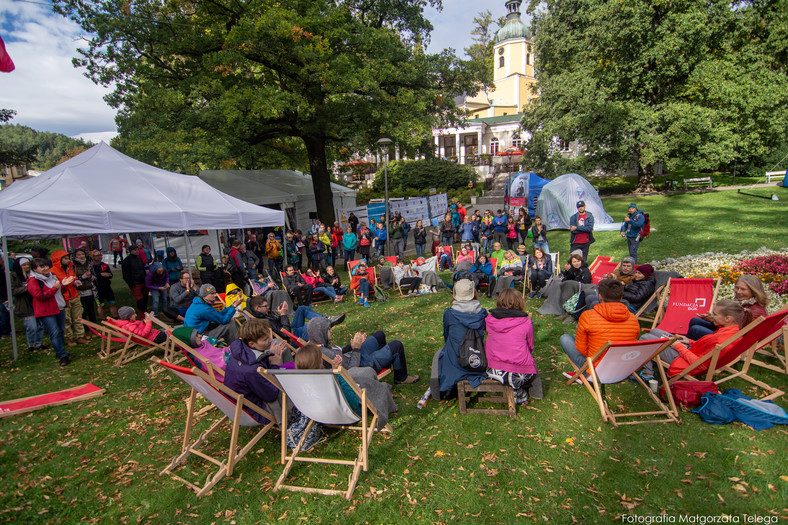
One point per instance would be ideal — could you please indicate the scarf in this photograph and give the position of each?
(49, 281)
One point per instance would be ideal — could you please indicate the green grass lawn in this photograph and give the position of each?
(556, 462)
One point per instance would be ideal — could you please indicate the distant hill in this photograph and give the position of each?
(51, 147)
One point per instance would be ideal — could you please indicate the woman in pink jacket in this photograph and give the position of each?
(510, 341)
(127, 319)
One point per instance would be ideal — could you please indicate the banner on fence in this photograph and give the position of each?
(360, 213)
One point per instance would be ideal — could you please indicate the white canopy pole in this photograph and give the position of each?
(7, 271)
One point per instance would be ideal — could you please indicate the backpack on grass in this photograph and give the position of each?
(380, 295)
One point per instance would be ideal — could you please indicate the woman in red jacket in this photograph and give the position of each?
(728, 316)
(49, 305)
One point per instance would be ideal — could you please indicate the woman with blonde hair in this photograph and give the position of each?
(747, 291)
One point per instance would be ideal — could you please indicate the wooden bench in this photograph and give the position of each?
(506, 396)
(698, 181)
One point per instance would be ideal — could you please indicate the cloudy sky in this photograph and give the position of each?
(49, 94)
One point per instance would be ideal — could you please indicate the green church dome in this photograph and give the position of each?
(514, 26)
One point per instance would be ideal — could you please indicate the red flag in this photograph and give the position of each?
(6, 64)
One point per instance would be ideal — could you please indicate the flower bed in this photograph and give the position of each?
(770, 266)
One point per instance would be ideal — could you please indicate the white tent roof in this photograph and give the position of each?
(557, 202)
(103, 191)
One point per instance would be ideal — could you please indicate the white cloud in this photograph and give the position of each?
(46, 91)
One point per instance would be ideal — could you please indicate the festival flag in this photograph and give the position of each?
(6, 64)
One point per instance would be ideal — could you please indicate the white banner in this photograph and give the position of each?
(360, 213)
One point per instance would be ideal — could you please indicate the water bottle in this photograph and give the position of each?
(424, 398)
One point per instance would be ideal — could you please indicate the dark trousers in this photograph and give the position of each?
(140, 294)
(117, 256)
(582, 247)
(302, 294)
(378, 354)
(411, 282)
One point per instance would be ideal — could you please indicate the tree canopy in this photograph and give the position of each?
(421, 175)
(699, 82)
(36, 149)
(267, 83)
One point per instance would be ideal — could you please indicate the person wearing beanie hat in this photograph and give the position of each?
(203, 350)
(641, 288)
(372, 351)
(127, 319)
(209, 321)
(23, 304)
(625, 271)
(631, 228)
(581, 228)
(465, 314)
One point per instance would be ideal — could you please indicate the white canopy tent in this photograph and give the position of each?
(103, 191)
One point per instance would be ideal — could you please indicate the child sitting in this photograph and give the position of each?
(127, 319)
(311, 358)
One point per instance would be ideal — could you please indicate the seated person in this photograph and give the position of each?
(203, 347)
(464, 255)
(384, 263)
(577, 270)
(318, 285)
(332, 279)
(625, 271)
(610, 320)
(311, 358)
(747, 291)
(729, 317)
(497, 254)
(127, 319)
(541, 268)
(297, 287)
(404, 276)
(253, 349)
(207, 320)
(258, 307)
(464, 314)
(372, 351)
(510, 342)
(482, 272)
(510, 265)
(641, 288)
(444, 258)
(182, 293)
(233, 293)
(359, 281)
(522, 254)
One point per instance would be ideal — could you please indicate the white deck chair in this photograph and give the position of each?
(236, 411)
(318, 395)
(619, 361)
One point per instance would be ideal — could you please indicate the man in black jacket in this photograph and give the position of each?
(297, 287)
(257, 306)
(134, 275)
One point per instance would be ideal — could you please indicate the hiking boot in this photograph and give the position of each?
(64, 361)
(336, 319)
(411, 379)
(71, 342)
(82, 341)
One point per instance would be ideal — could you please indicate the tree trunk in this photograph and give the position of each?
(645, 179)
(321, 179)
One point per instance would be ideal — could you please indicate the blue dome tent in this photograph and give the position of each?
(525, 186)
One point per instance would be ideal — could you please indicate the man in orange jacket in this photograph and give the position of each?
(610, 320)
(62, 268)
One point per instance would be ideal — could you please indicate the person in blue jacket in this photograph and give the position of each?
(482, 272)
(173, 265)
(581, 226)
(465, 314)
(209, 321)
(633, 224)
(499, 227)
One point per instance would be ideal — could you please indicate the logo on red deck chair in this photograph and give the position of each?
(629, 356)
(700, 302)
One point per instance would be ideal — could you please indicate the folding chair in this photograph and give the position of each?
(603, 268)
(493, 263)
(108, 336)
(770, 350)
(599, 259)
(134, 346)
(616, 362)
(236, 410)
(687, 298)
(644, 313)
(742, 345)
(372, 277)
(318, 395)
(392, 259)
(214, 368)
(299, 343)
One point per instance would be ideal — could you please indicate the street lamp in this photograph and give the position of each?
(385, 143)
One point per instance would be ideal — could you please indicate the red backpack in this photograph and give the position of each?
(646, 230)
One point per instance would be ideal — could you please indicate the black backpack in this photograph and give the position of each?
(471, 352)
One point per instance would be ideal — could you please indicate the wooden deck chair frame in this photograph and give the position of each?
(665, 298)
(107, 335)
(235, 410)
(493, 262)
(554, 258)
(597, 260)
(372, 277)
(136, 346)
(748, 340)
(642, 314)
(667, 413)
(464, 389)
(771, 350)
(189, 354)
(365, 425)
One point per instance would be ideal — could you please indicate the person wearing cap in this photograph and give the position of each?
(625, 271)
(581, 227)
(127, 319)
(641, 288)
(464, 314)
(209, 321)
(633, 224)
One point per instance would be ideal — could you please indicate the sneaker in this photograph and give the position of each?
(64, 361)
(521, 399)
(645, 377)
(32, 349)
(366, 303)
(570, 375)
(42, 346)
(338, 299)
(336, 319)
(532, 294)
(361, 302)
(411, 379)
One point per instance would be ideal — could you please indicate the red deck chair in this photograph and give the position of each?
(493, 263)
(686, 298)
(298, 342)
(108, 336)
(392, 259)
(601, 269)
(599, 259)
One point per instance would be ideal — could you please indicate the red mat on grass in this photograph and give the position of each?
(28, 404)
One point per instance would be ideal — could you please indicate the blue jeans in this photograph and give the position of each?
(543, 245)
(33, 330)
(349, 255)
(380, 247)
(159, 296)
(568, 345)
(485, 243)
(298, 324)
(55, 325)
(698, 328)
(420, 249)
(363, 288)
(376, 353)
(632, 244)
(327, 290)
(5, 320)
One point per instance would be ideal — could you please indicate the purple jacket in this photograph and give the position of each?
(510, 341)
(153, 281)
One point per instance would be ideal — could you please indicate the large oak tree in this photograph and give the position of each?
(256, 83)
